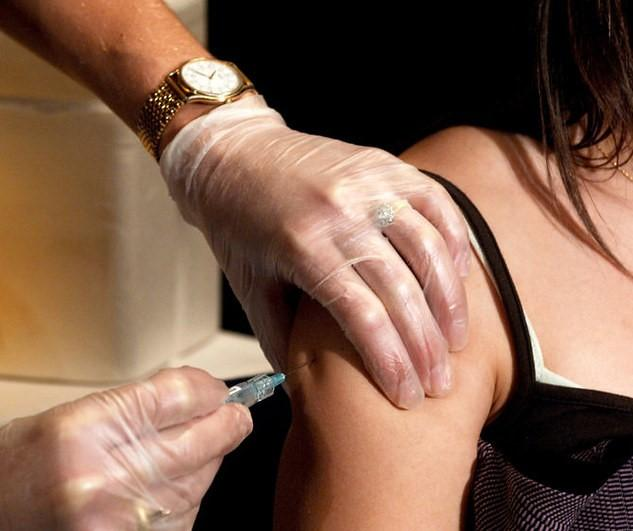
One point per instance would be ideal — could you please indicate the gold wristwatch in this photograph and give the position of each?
(203, 80)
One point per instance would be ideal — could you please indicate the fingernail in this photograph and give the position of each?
(245, 421)
(458, 334)
(463, 263)
(440, 380)
(410, 394)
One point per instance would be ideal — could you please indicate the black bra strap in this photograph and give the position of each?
(509, 298)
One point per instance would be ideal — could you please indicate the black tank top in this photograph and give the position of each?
(555, 457)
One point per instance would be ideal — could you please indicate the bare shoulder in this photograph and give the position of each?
(490, 167)
(474, 159)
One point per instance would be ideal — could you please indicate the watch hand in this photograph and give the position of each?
(211, 76)
(199, 72)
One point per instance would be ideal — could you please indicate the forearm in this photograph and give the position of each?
(119, 49)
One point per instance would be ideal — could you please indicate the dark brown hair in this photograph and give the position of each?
(585, 75)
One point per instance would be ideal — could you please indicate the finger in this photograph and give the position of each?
(191, 446)
(188, 519)
(183, 495)
(163, 505)
(427, 255)
(183, 394)
(127, 413)
(183, 449)
(402, 295)
(366, 323)
(198, 482)
(436, 205)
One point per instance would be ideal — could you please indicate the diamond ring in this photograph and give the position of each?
(385, 214)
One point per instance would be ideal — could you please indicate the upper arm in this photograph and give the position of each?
(354, 461)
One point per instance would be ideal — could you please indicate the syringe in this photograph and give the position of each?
(255, 390)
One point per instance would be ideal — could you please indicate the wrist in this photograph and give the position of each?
(186, 114)
(211, 82)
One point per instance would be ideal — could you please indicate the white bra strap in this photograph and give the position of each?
(542, 373)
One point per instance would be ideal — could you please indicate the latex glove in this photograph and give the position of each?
(281, 208)
(113, 460)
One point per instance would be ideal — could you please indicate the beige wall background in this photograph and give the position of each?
(101, 282)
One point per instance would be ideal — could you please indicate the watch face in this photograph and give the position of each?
(211, 77)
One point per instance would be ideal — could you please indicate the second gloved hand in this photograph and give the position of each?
(282, 209)
(140, 456)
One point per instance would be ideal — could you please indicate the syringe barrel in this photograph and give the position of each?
(254, 390)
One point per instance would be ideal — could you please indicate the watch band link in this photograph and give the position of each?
(158, 110)
(164, 102)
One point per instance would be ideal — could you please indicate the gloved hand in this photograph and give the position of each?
(120, 459)
(282, 209)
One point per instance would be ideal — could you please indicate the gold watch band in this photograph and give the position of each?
(158, 110)
(162, 104)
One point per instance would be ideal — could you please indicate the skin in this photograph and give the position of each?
(351, 460)
(120, 49)
(90, 464)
